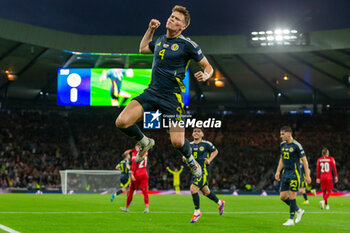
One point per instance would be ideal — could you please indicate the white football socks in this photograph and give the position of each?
(189, 158)
(144, 141)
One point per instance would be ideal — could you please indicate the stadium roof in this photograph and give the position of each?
(33, 46)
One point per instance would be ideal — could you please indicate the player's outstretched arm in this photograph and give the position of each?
(208, 70)
(181, 169)
(127, 151)
(144, 44)
(169, 170)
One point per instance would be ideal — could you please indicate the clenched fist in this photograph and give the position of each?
(201, 76)
(154, 24)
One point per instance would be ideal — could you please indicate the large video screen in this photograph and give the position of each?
(104, 87)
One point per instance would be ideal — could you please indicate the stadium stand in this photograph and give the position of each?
(34, 146)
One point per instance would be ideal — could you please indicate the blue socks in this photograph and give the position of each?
(185, 150)
(287, 201)
(133, 132)
(292, 208)
(119, 192)
(195, 198)
(213, 197)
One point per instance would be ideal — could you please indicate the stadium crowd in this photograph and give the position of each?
(35, 146)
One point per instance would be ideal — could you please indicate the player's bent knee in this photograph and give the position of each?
(283, 197)
(121, 123)
(292, 195)
(206, 193)
(193, 189)
(177, 143)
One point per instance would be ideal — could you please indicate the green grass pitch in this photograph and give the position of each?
(168, 213)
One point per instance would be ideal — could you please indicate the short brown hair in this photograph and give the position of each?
(125, 155)
(286, 128)
(200, 128)
(185, 12)
(324, 150)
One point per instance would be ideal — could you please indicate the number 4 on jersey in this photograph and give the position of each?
(161, 53)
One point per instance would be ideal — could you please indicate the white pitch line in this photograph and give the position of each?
(5, 228)
(167, 212)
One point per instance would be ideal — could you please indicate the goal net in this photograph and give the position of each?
(89, 181)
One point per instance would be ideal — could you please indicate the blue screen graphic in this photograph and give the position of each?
(88, 87)
(73, 87)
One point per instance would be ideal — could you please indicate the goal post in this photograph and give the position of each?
(89, 181)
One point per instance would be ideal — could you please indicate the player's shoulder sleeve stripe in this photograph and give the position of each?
(189, 41)
(192, 142)
(211, 144)
(162, 37)
(159, 39)
(282, 143)
(298, 144)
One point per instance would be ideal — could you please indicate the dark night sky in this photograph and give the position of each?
(216, 17)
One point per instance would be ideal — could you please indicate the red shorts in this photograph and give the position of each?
(327, 185)
(140, 182)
